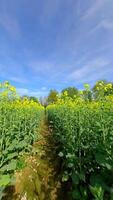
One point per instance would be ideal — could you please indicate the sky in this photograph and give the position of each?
(53, 44)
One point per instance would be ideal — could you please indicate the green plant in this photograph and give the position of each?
(84, 132)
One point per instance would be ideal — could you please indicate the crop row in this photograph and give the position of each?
(84, 132)
(19, 125)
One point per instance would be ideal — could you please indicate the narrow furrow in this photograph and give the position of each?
(39, 180)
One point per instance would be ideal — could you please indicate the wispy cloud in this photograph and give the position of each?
(94, 8)
(58, 42)
(37, 93)
(91, 71)
(23, 91)
(40, 66)
(107, 24)
(18, 79)
(103, 24)
(8, 21)
(13, 71)
(44, 88)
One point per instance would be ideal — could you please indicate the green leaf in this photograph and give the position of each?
(83, 191)
(21, 164)
(65, 177)
(76, 194)
(9, 167)
(70, 165)
(97, 192)
(102, 159)
(13, 145)
(4, 180)
(61, 154)
(82, 176)
(12, 155)
(21, 145)
(75, 178)
(97, 179)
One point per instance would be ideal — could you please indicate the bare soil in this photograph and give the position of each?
(40, 179)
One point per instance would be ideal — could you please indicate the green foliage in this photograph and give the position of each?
(84, 132)
(52, 97)
(97, 192)
(7, 91)
(87, 93)
(30, 98)
(71, 91)
(19, 125)
(102, 88)
(34, 99)
(5, 180)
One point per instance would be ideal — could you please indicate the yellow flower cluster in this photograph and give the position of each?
(84, 132)
(20, 120)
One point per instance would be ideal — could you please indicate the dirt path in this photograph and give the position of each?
(39, 180)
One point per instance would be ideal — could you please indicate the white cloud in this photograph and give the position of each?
(40, 66)
(96, 7)
(107, 24)
(29, 92)
(44, 88)
(103, 24)
(91, 71)
(38, 93)
(18, 79)
(23, 91)
(13, 72)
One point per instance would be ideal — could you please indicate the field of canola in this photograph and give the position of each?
(83, 131)
(19, 124)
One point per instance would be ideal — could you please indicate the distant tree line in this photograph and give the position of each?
(101, 89)
(31, 98)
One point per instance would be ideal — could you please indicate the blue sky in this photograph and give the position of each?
(55, 43)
